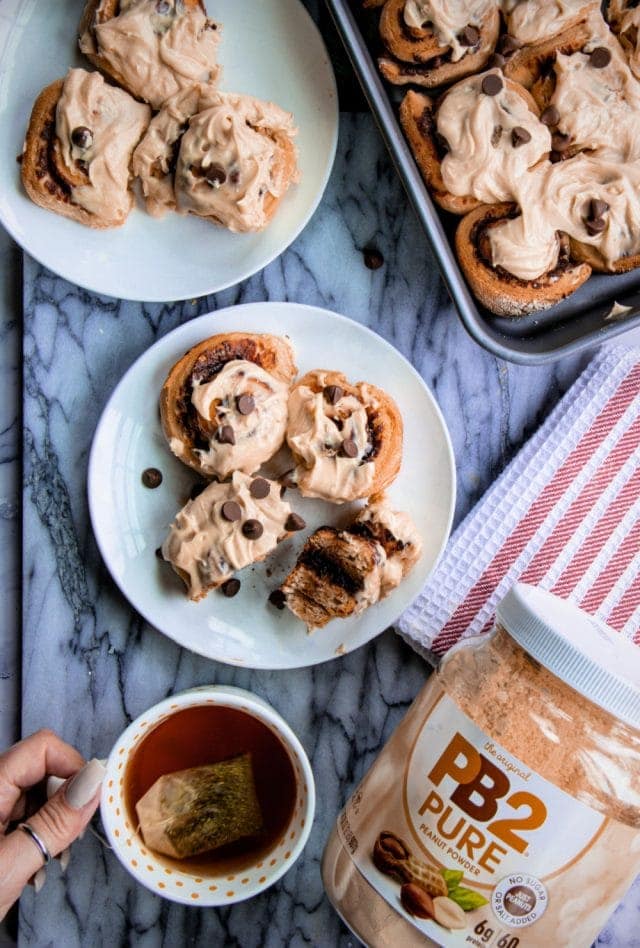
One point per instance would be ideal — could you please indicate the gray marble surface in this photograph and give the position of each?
(90, 664)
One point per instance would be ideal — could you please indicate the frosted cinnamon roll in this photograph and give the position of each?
(227, 527)
(477, 142)
(152, 48)
(533, 21)
(432, 42)
(237, 159)
(224, 404)
(346, 438)
(78, 149)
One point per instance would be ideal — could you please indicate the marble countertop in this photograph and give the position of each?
(90, 664)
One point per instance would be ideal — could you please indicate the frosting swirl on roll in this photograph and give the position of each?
(206, 547)
(448, 18)
(534, 20)
(236, 159)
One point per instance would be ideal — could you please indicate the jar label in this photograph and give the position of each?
(468, 843)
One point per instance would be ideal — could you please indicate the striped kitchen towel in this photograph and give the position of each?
(564, 515)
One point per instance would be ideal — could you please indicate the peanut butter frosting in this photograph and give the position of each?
(448, 19)
(249, 401)
(98, 127)
(317, 432)
(157, 47)
(395, 525)
(235, 159)
(530, 21)
(206, 547)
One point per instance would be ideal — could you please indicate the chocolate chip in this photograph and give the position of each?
(245, 404)
(231, 588)
(469, 36)
(259, 488)
(492, 84)
(294, 522)
(215, 175)
(496, 135)
(550, 116)
(373, 259)
(596, 226)
(600, 57)
(333, 393)
(519, 136)
(350, 448)
(555, 157)
(82, 137)
(197, 489)
(497, 61)
(597, 208)
(508, 45)
(226, 435)
(152, 477)
(278, 599)
(231, 511)
(560, 142)
(252, 529)
(234, 177)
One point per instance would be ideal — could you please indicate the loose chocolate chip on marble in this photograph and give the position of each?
(152, 477)
(333, 393)
(469, 36)
(600, 57)
(82, 137)
(492, 84)
(231, 511)
(597, 208)
(278, 599)
(508, 45)
(560, 142)
(497, 61)
(231, 588)
(259, 488)
(226, 435)
(373, 259)
(496, 135)
(596, 226)
(550, 116)
(294, 522)
(215, 175)
(350, 448)
(252, 529)
(520, 136)
(245, 404)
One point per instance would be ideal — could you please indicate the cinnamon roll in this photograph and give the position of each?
(535, 21)
(432, 43)
(346, 438)
(227, 527)
(152, 48)
(224, 404)
(78, 149)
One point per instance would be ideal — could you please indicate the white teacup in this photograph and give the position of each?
(185, 886)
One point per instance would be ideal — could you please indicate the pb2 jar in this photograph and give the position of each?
(505, 809)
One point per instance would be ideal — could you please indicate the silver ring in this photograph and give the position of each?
(31, 833)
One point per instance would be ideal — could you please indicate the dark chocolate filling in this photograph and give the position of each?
(46, 167)
(330, 570)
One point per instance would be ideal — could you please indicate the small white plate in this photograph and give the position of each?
(271, 49)
(130, 521)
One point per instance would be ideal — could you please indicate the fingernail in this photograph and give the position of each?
(82, 788)
(39, 879)
(53, 785)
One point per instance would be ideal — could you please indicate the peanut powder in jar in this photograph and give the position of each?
(505, 809)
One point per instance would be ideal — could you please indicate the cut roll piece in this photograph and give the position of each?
(346, 438)
(341, 573)
(225, 528)
(78, 149)
(236, 162)
(429, 48)
(223, 405)
(152, 48)
(497, 289)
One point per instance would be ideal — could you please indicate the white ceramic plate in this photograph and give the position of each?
(130, 521)
(270, 49)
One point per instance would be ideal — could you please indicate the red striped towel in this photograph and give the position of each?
(564, 515)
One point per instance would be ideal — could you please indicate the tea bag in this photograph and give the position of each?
(192, 811)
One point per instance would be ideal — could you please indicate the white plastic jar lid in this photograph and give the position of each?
(582, 651)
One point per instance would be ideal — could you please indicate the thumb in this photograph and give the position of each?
(57, 824)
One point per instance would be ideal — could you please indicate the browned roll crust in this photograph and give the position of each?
(588, 254)
(531, 65)
(384, 424)
(501, 292)
(45, 178)
(415, 56)
(180, 421)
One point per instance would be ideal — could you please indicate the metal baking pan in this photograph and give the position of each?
(578, 323)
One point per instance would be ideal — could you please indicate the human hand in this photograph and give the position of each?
(57, 823)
